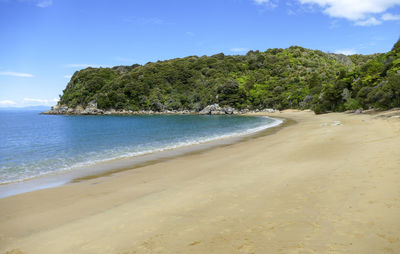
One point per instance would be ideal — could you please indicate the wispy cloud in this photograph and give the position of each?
(296, 8)
(361, 12)
(368, 22)
(333, 24)
(145, 21)
(266, 4)
(261, 1)
(44, 3)
(291, 12)
(191, 34)
(239, 50)
(389, 16)
(28, 102)
(68, 76)
(16, 74)
(37, 3)
(7, 103)
(346, 52)
(35, 101)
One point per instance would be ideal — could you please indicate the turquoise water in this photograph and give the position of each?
(32, 144)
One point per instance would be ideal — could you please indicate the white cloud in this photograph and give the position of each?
(7, 103)
(68, 76)
(269, 4)
(345, 51)
(261, 1)
(360, 11)
(239, 49)
(35, 101)
(16, 74)
(353, 9)
(389, 16)
(368, 22)
(26, 102)
(37, 3)
(44, 3)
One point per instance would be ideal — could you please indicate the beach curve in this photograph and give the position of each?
(328, 184)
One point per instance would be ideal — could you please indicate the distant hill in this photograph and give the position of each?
(277, 78)
(39, 108)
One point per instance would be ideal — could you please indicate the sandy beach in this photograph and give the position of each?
(326, 184)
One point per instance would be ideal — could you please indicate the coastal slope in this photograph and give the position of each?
(292, 78)
(327, 184)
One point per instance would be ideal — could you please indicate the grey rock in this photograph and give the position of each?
(229, 110)
(217, 112)
(358, 111)
(210, 108)
(215, 109)
(269, 110)
(92, 104)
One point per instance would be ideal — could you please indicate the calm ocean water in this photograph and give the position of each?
(32, 144)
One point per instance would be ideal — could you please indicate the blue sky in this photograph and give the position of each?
(43, 42)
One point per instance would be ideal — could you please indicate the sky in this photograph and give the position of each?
(43, 42)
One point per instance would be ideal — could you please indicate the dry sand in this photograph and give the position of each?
(318, 186)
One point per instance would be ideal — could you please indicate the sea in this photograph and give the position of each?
(33, 145)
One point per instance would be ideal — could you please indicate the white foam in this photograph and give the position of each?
(35, 174)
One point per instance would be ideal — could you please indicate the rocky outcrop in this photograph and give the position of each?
(215, 109)
(91, 109)
(57, 110)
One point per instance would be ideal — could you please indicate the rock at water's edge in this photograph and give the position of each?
(215, 109)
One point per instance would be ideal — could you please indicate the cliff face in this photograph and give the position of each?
(277, 78)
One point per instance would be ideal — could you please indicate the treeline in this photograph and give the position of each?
(277, 78)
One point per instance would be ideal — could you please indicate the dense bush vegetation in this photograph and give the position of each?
(277, 78)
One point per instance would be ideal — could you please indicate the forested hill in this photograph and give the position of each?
(277, 78)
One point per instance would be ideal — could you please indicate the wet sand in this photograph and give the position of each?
(327, 184)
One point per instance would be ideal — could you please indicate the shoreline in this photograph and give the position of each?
(113, 165)
(189, 150)
(91, 109)
(328, 184)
